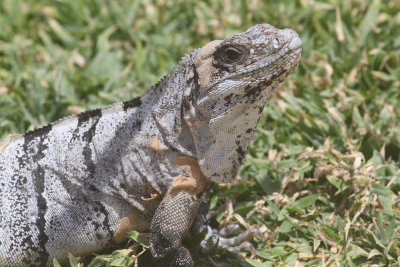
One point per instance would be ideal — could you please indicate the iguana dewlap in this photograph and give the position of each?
(79, 184)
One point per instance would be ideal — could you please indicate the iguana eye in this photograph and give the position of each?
(232, 54)
(226, 56)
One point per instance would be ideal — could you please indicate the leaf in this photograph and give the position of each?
(277, 251)
(72, 260)
(330, 233)
(316, 243)
(123, 261)
(374, 253)
(213, 202)
(243, 210)
(141, 239)
(56, 263)
(369, 21)
(386, 203)
(356, 251)
(96, 262)
(61, 32)
(381, 190)
(274, 209)
(285, 227)
(291, 259)
(385, 230)
(286, 164)
(296, 226)
(306, 201)
(335, 182)
(255, 263)
(263, 254)
(267, 184)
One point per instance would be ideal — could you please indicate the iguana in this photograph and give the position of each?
(79, 184)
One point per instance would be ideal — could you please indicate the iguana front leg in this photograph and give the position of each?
(175, 214)
(170, 225)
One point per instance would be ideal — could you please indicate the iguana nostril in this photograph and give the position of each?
(295, 43)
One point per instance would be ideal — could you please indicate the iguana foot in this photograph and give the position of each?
(176, 258)
(224, 238)
(182, 258)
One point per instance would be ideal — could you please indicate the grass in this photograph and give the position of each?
(322, 175)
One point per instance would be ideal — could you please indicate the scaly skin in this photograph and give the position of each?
(79, 184)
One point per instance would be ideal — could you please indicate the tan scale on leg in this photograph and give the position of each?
(195, 183)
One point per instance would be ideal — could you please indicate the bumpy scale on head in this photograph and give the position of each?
(236, 78)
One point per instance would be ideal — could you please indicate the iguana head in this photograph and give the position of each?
(234, 79)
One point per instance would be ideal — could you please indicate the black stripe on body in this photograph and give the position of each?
(136, 102)
(40, 132)
(85, 116)
(87, 137)
(106, 223)
(94, 116)
(38, 177)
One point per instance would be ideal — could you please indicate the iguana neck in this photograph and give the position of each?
(165, 103)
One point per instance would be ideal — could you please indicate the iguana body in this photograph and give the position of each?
(79, 184)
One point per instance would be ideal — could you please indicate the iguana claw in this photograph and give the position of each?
(224, 238)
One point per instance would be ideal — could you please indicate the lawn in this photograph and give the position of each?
(322, 175)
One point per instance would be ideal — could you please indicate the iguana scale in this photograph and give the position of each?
(79, 184)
